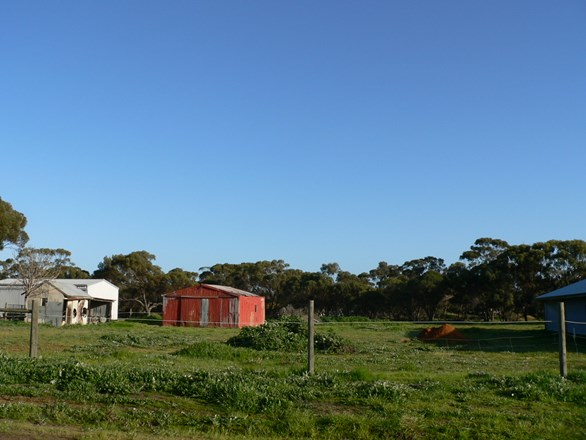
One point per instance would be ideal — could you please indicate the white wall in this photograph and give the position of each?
(102, 289)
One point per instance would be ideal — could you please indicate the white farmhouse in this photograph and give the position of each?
(64, 301)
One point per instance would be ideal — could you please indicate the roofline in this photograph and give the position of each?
(560, 297)
(217, 288)
(82, 280)
(169, 295)
(66, 295)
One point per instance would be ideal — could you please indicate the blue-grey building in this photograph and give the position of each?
(574, 298)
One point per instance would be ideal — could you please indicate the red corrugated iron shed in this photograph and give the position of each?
(208, 305)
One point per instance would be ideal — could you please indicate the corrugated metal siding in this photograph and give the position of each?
(251, 311)
(575, 312)
(205, 312)
(190, 312)
(170, 311)
(198, 291)
(208, 306)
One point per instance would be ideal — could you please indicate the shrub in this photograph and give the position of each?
(331, 343)
(289, 334)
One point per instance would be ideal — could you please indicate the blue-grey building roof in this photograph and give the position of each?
(570, 291)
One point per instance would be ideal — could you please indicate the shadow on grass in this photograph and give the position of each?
(148, 320)
(521, 340)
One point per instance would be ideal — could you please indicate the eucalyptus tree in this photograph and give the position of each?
(266, 278)
(178, 278)
(12, 224)
(420, 288)
(487, 285)
(139, 279)
(522, 267)
(483, 251)
(384, 274)
(564, 262)
(341, 291)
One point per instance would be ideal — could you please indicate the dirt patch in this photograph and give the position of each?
(445, 332)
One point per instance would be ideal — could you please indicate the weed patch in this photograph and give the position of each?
(120, 381)
(212, 350)
(547, 387)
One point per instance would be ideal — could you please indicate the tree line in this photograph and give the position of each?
(492, 280)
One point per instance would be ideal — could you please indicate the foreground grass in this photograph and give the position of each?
(128, 380)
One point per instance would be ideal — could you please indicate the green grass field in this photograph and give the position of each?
(127, 380)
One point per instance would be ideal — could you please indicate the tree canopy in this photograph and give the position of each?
(12, 225)
(142, 283)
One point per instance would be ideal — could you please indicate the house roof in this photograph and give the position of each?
(69, 290)
(84, 281)
(10, 282)
(67, 287)
(575, 290)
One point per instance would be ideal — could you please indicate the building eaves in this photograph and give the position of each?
(571, 291)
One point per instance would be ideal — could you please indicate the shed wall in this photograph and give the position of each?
(201, 312)
(575, 314)
(199, 306)
(252, 311)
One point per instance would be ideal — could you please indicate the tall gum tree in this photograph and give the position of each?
(12, 224)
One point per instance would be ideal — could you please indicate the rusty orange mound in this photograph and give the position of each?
(445, 332)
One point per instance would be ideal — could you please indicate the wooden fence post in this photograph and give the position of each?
(34, 328)
(562, 330)
(310, 337)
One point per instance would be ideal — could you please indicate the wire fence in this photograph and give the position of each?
(474, 335)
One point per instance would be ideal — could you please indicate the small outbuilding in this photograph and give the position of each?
(207, 305)
(574, 298)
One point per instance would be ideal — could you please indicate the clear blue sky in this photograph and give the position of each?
(311, 131)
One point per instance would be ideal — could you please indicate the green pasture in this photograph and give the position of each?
(129, 380)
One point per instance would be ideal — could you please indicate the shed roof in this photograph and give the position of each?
(575, 290)
(229, 290)
(232, 291)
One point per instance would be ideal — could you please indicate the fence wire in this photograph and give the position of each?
(575, 342)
